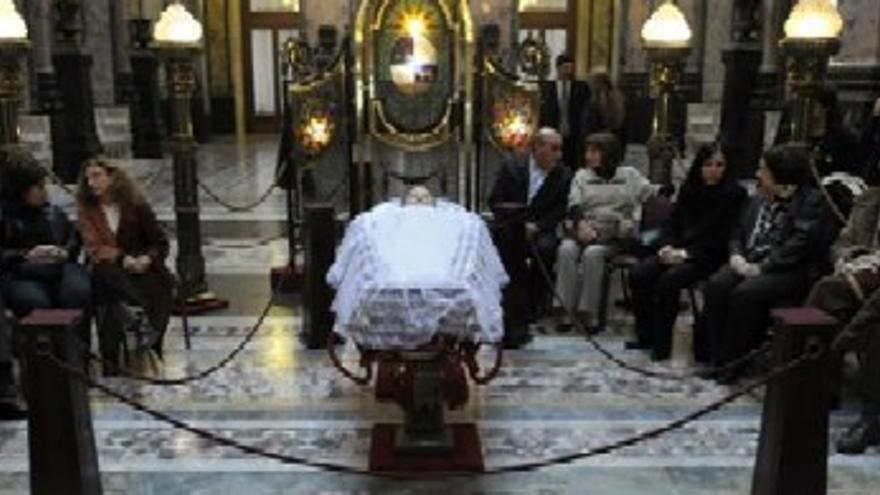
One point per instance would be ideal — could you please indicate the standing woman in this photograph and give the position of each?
(127, 247)
(693, 245)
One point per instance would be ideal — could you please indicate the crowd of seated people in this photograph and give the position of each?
(746, 254)
(41, 266)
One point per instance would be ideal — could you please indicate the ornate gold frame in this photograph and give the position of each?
(371, 122)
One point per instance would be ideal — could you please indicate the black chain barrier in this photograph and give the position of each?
(237, 208)
(715, 371)
(124, 373)
(774, 374)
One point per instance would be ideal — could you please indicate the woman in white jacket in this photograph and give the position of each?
(604, 204)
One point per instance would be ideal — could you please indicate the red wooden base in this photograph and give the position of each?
(286, 279)
(467, 456)
(386, 380)
(199, 304)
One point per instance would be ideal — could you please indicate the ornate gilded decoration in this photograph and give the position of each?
(511, 109)
(533, 58)
(317, 111)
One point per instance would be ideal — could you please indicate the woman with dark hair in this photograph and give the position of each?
(604, 200)
(128, 248)
(777, 248)
(693, 244)
(40, 246)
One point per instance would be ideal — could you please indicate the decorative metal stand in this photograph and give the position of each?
(667, 65)
(11, 53)
(807, 66)
(193, 290)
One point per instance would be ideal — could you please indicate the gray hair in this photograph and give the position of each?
(544, 134)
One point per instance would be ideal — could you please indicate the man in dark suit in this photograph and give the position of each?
(540, 183)
(563, 107)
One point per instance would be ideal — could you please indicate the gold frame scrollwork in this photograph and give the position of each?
(312, 92)
(495, 76)
(372, 120)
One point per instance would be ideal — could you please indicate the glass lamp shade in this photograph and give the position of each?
(667, 28)
(177, 25)
(12, 26)
(813, 19)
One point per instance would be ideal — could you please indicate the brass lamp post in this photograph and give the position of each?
(14, 45)
(812, 36)
(666, 36)
(177, 39)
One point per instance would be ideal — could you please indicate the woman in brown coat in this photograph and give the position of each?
(127, 248)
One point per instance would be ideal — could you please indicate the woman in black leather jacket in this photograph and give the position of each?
(40, 245)
(777, 248)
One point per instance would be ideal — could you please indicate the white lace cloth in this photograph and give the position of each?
(405, 273)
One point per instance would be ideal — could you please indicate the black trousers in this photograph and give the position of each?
(114, 285)
(656, 289)
(833, 295)
(737, 309)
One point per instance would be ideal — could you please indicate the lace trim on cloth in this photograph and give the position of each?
(404, 274)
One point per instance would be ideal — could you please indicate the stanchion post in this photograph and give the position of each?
(320, 247)
(509, 234)
(793, 447)
(61, 443)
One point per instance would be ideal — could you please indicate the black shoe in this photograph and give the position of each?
(658, 355)
(595, 330)
(10, 411)
(860, 436)
(636, 345)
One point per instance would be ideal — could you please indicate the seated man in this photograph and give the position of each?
(408, 270)
(851, 294)
(541, 184)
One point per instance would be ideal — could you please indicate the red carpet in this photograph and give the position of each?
(468, 454)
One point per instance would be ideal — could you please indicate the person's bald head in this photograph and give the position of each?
(547, 148)
(418, 195)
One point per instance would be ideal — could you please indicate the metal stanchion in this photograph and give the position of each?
(320, 246)
(61, 443)
(793, 447)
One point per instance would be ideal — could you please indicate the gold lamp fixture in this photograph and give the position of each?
(812, 36)
(14, 45)
(667, 39)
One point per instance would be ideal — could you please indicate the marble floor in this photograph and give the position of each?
(555, 397)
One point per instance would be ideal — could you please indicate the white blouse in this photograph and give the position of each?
(111, 212)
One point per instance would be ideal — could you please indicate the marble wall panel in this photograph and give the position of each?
(717, 31)
(96, 23)
(860, 41)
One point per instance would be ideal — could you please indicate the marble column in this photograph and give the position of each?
(43, 82)
(74, 133)
(741, 126)
(121, 41)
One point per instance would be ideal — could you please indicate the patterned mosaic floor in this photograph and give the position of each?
(555, 397)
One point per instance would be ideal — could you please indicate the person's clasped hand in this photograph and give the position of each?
(45, 254)
(136, 264)
(586, 232)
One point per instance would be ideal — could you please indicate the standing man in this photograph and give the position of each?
(563, 107)
(538, 182)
